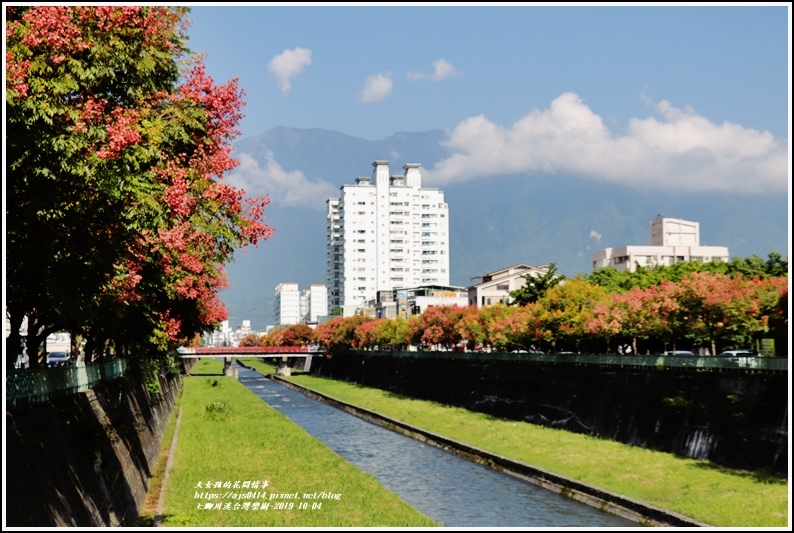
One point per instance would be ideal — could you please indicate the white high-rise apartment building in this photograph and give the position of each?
(314, 303)
(287, 304)
(384, 233)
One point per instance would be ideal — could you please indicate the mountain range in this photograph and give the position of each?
(495, 222)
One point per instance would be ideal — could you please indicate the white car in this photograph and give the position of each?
(738, 353)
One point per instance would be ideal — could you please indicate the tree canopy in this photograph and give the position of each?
(647, 276)
(118, 219)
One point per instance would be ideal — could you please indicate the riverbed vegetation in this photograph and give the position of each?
(228, 436)
(704, 491)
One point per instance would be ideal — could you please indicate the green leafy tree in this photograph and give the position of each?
(570, 307)
(394, 333)
(535, 286)
(755, 267)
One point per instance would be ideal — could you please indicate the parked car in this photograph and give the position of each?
(679, 352)
(57, 359)
(738, 353)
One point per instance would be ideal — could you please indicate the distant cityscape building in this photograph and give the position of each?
(414, 301)
(286, 307)
(225, 336)
(495, 287)
(293, 306)
(314, 303)
(385, 233)
(219, 337)
(672, 240)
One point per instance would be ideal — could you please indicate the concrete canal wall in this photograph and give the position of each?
(84, 459)
(732, 417)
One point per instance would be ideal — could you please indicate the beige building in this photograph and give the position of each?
(496, 286)
(672, 240)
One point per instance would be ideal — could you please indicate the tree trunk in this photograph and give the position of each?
(36, 341)
(77, 340)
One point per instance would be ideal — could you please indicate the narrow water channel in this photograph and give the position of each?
(444, 486)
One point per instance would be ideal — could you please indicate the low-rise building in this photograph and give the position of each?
(673, 240)
(495, 287)
(414, 301)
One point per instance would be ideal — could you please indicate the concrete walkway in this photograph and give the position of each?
(160, 513)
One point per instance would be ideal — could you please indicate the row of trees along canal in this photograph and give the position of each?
(119, 222)
(716, 305)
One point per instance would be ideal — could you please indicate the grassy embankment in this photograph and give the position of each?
(227, 434)
(699, 489)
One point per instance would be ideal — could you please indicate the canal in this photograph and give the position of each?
(446, 487)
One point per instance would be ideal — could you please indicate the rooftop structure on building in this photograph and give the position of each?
(385, 233)
(673, 240)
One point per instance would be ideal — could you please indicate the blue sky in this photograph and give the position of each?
(693, 97)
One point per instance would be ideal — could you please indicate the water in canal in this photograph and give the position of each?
(446, 487)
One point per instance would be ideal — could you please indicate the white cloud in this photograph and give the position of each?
(442, 69)
(287, 65)
(286, 188)
(679, 150)
(377, 87)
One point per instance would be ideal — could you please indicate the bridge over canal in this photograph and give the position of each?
(287, 355)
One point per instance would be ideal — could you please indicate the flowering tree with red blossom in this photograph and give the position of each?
(251, 340)
(500, 327)
(438, 325)
(296, 335)
(368, 334)
(723, 311)
(118, 219)
(626, 315)
(338, 335)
